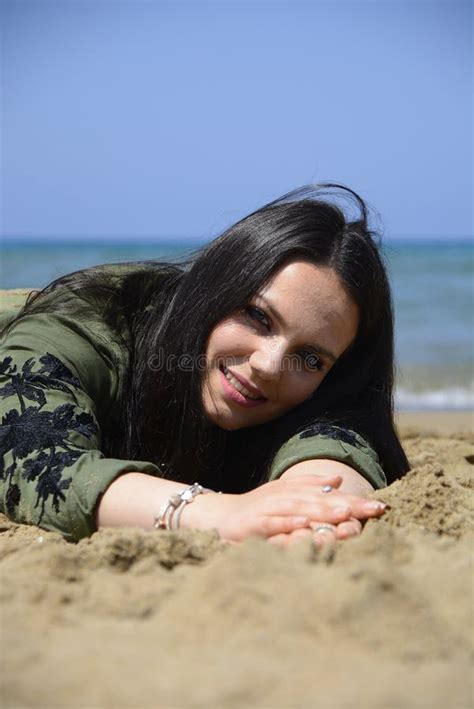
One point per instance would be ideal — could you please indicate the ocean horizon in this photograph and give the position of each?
(433, 291)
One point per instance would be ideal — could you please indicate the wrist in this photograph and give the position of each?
(170, 512)
(204, 512)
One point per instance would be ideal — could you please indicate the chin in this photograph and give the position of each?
(229, 420)
(227, 423)
(228, 426)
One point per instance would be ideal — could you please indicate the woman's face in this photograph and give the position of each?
(270, 357)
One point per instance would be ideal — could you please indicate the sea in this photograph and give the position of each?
(433, 291)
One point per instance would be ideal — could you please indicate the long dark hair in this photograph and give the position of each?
(165, 311)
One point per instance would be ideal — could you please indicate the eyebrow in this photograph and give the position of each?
(319, 348)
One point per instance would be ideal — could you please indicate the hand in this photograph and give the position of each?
(351, 482)
(344, 530)
(281, 507)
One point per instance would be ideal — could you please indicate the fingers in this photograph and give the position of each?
(275, 525)
(320, 478)
(278, 524)
(307, 486)
(286, 540)
(363, 508)
(329, 533)
(320, 507)
(348, 529)
(321, 533)
(300, 525)
(287, 506)
(359, 507)
(334, 480)
(306, 497)
(313, 479)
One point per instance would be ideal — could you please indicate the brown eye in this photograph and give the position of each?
(258, 315)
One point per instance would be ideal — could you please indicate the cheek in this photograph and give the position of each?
(227, 338)
(300, 388)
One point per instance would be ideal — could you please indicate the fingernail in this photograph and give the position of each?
(349, 533)
(376, 505)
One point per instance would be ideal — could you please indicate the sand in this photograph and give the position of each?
(176, 620)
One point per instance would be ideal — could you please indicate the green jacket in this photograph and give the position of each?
(59, 376)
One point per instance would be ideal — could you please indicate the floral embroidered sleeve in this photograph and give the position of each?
(58, 379)
(332, 442)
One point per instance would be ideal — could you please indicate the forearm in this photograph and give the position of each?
(134, 500)
(278, 507)
(353, 483)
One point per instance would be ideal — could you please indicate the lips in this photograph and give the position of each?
(242, 385)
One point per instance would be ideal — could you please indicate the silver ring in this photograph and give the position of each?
(321, 528)
(327, 488)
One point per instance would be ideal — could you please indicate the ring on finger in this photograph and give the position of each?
(327, 488)
(322, 528)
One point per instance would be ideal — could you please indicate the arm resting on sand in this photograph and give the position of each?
(275, 508)
(324, 446)
(353, 482)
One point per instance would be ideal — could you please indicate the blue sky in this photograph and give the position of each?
(148, 118)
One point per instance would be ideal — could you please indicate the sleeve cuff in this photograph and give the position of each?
(298, 449)
(92, 476)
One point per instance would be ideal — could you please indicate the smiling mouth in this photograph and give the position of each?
(239, 386)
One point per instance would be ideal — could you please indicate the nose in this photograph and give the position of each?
(266, 360)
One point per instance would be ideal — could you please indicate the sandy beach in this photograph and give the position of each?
(177, 620)
(218, 216)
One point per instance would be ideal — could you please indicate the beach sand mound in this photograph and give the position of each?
(175, 620)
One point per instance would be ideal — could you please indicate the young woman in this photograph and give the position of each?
(262, 369)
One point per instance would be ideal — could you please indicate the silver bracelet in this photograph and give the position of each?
(170, 512)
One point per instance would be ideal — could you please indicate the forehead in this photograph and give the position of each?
(313, 304)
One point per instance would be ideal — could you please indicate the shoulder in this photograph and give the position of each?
(83, 344)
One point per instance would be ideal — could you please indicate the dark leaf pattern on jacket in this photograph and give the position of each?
(6, 365)
(330, 431)
(12, 497)
(26, 430)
